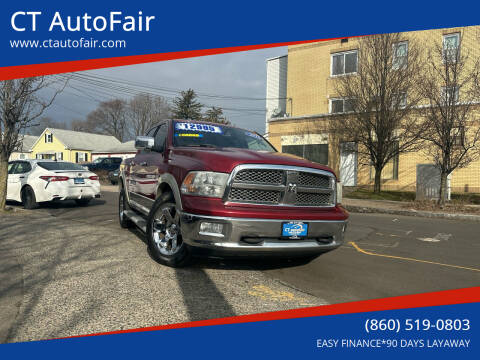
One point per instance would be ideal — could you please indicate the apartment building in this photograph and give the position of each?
(312, 102)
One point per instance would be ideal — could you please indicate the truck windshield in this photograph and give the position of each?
(207, 135)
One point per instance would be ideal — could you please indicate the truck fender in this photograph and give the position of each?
(172, 183)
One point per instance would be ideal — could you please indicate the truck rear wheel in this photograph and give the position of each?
(163, 233)
(125, 222)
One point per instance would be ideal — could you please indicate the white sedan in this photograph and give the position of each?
(34, 181)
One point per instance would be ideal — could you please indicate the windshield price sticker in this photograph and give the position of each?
(198, 127)
(251, 134)
(189, 135)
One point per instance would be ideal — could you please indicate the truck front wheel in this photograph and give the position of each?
(163, 233)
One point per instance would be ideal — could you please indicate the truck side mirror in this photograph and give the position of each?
(144, 143)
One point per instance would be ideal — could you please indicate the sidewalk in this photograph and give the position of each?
(397, 208)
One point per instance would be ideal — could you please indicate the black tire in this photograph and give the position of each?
(28, 198)
(125, 222)
(182, 255)
(82, 202)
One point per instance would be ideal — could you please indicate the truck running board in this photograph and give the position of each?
(139, 221)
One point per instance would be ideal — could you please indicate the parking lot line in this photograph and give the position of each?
(359, 249)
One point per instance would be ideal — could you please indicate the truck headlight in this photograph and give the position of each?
(204, 183)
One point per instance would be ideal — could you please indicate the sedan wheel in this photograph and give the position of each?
(28, 198)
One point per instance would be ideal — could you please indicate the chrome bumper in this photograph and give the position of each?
(261, 236)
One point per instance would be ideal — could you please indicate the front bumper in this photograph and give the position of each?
(245, 236)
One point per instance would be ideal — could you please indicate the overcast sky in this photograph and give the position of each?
(241, 74)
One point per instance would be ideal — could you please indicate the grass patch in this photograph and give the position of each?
(365, 194)
(453, 207)
(472, 199)
(409, 196)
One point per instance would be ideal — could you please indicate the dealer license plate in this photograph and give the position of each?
(78, 181)
(294, 229)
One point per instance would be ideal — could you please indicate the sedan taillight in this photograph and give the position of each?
(93, 177)
(54, 178)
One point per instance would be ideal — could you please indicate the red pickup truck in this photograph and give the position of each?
(211, 189)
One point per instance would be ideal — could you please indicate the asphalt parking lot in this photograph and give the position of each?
(68, 270)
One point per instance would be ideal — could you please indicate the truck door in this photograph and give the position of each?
(145, 171)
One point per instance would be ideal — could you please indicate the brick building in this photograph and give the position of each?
(312, 102)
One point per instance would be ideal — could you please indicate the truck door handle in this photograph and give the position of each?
(21, 177)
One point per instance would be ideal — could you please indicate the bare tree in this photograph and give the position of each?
(453, 130)
(377, 98)
(145, 111)
(20, 105)
(81, 125)
(215, 114)
(109, 118)
(43, 123)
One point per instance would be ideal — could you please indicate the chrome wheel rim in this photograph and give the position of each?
(166, 232)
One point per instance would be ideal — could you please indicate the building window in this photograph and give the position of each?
(450, 95)
(400, 55)
(59, 156)
(48, 138)
(314, 152)
(458, 135)
(344, 63)
(399, 101)
(340, 105)
(451, 47)
(81, 157)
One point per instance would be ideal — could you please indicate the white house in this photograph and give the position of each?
(24, 151)
(124, 150)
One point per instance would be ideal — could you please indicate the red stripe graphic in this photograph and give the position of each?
(448, 297)
(21, 71)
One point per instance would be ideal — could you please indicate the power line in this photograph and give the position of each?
(171, 90)
(99, 86)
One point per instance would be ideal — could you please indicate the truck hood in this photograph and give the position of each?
(226, 159)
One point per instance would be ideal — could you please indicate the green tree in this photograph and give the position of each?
(215, 114)
(186, 106)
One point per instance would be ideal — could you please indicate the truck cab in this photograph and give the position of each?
(212, 189)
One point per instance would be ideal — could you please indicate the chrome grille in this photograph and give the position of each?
(309, 199)
(281, 185)
(255, 196)
(260, 176)
(317, 180)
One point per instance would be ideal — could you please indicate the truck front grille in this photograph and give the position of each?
(260, 176)
(288, 186)
(255, 196)
(308, 199)
(309, 179)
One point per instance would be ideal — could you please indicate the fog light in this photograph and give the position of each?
(211, 229)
